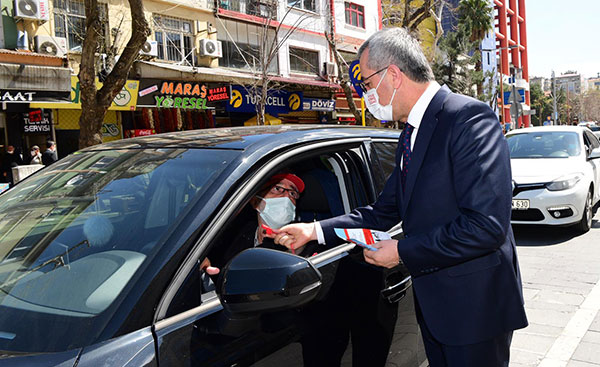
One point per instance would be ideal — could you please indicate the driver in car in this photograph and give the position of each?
(273, 207)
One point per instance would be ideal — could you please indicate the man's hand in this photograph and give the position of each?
(295, 235)
(386, 255)
(210, 270)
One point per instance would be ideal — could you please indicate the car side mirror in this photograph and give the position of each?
(595, 153)
(258, 280)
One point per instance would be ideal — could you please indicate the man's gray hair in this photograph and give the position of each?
(394, 46)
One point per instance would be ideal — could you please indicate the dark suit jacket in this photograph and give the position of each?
(49, 157)
(456, 208)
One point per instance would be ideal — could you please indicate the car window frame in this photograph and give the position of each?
(223, 216)
(590, 138)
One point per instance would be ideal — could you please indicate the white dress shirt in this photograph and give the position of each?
(414, 118)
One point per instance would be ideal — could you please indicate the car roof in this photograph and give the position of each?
(245, 138)
(536, 129)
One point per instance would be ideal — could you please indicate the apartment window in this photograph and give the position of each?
(244, 56)
(241, 42)
(174, 39)
(69, 22)
(304, 61)
(303, 4)
(260, 8)
(355, 15)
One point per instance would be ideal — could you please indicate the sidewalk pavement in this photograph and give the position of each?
(561, 284)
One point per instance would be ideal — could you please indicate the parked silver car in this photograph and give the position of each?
(556, 175)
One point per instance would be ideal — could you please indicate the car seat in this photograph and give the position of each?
(321, 198)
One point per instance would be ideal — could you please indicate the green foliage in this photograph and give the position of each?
(541, 103)
(476, 17)
(453, 65)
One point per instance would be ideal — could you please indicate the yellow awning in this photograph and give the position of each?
(269, 120)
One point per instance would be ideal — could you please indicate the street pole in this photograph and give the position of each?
(555, 120)
(501, 89)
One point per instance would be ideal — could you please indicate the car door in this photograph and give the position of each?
(192, 327)
(591, 142)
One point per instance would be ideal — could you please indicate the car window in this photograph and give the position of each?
(385, 153)
(554, 144)
(592, 140)
(321, 199)
(74, 236)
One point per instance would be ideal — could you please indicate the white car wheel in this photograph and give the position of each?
(586, 221)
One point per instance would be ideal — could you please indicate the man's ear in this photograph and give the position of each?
(397, 76)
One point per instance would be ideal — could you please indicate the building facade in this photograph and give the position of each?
(571, 82)
(201, 67)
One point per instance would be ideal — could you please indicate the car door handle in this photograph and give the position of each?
(396, 292)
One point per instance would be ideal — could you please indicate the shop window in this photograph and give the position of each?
(174, 39)
(304, 61)
(303, 4)
(69, 22)
(355, 15)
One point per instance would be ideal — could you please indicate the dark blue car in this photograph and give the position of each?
(100, 255)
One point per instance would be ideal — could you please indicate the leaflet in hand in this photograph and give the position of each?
(362, 236)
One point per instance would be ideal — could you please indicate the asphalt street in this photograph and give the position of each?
(561, 272)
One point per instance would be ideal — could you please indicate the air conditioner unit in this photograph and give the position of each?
(32, 9)
(150, 48)
(49, 45)
(211, 48)
(329, 69)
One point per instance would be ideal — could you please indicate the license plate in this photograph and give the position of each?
(520, 204)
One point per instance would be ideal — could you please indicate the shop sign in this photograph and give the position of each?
(111, 131)
(185, 95)
(139, 132)
(125, 100)
(27, 96)
(278, 101)
(319, 104)
(37, 121)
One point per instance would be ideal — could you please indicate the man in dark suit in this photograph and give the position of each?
(451, 189)
(49, 156)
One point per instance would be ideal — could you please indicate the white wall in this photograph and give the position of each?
(371, 19)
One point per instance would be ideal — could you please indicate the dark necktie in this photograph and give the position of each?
(406, 152)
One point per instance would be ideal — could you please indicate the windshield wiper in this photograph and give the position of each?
(57, 261)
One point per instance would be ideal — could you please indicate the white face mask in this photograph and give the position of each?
(385, 113)
(277, 212)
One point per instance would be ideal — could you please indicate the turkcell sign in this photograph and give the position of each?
(277, 102)
(319, 104)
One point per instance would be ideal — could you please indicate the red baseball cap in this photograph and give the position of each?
(288, 176)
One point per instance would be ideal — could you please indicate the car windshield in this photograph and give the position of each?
(74, 237)
(547, 144)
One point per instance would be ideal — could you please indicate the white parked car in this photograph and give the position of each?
(556, 175)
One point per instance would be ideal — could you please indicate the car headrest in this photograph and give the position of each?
(313, 199)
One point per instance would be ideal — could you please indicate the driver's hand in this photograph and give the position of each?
(210, 270)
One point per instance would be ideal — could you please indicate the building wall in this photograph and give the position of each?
(355, 34)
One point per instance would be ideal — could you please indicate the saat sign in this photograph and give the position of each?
(37, 121)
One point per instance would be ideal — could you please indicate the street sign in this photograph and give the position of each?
(355, 76)
(508, 98)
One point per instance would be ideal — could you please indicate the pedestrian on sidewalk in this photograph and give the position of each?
(11, 159)
(36, 156)
(49, 155)
(451, 189)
